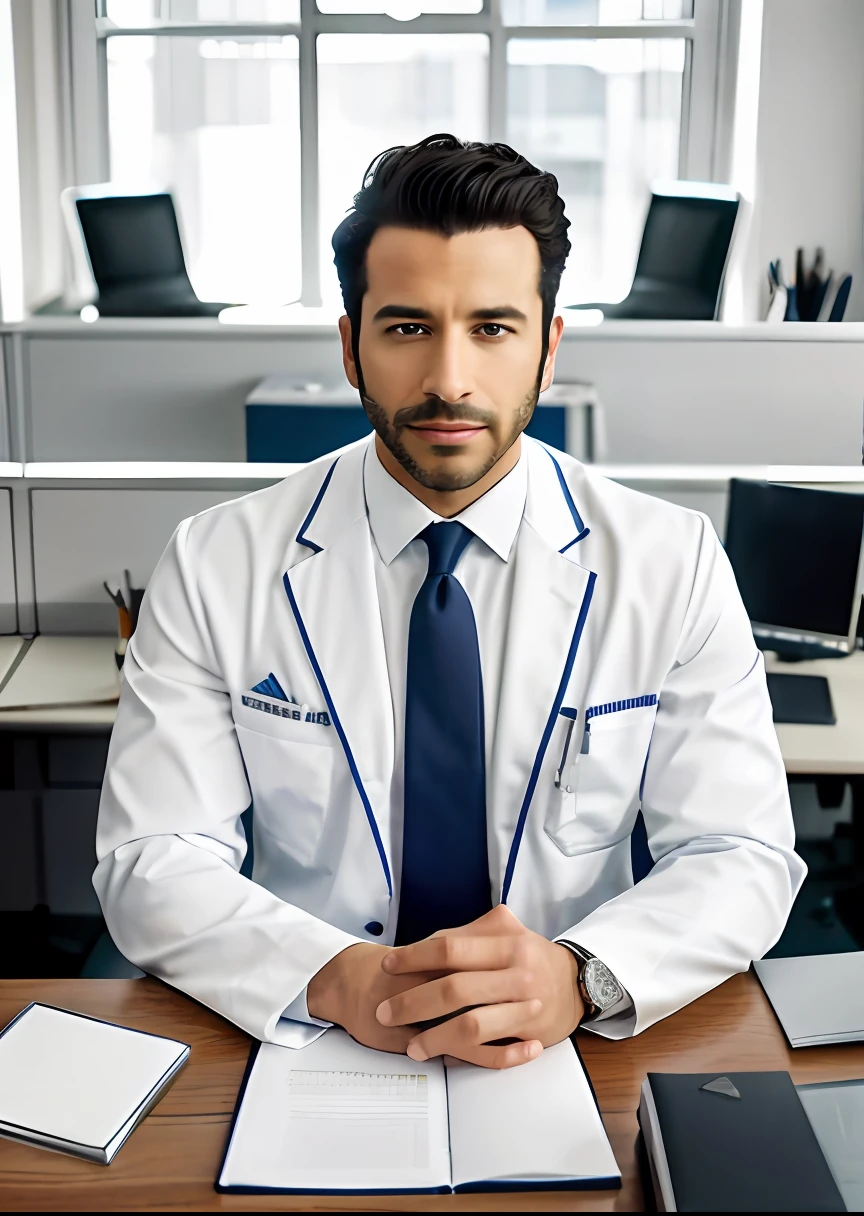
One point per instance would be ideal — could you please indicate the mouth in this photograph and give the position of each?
(447, 432)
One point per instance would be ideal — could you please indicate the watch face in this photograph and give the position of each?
(601, 985)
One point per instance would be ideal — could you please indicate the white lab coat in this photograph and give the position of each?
(622, 604)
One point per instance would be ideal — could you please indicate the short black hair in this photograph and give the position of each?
(444, 184)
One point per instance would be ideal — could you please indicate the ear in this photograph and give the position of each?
(556, 329)
(348, 352)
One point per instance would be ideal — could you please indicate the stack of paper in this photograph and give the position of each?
(76, 1085)
(818, 998)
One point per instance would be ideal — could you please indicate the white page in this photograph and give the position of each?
(537, 1122)
(817, 996)
(338, 1116)
(836, 1113)
(77, 1079)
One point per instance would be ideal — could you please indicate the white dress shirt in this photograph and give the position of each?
(396, 519)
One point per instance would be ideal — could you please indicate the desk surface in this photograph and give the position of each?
(171, 1161)
(827, 749)
(63, 670)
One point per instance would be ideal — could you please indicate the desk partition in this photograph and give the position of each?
(90, 522)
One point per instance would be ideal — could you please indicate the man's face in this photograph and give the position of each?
(450, 345)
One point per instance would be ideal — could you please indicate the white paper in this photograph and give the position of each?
(818, 998)
(836, 1113)
(339, 1116)
(534, 1123)
(76, 1079)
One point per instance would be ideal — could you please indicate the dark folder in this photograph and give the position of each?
(805, 699)
(752, 1153)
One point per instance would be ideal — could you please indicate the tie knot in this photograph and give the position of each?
(445, 543)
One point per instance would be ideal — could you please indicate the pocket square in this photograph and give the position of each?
(290, 709)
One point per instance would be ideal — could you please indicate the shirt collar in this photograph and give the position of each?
(396, 517)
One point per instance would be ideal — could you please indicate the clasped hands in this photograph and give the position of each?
(512, 991)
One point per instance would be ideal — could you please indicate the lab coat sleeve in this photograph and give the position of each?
(717, 814)
(169, 839)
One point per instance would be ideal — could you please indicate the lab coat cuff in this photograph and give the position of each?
(298, 1011)
(292, 1025)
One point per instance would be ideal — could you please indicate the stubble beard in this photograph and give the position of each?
(440, 479)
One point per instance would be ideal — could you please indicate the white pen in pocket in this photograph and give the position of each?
(577, 741)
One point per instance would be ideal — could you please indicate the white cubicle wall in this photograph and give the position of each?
(680, 392)
(90, 522)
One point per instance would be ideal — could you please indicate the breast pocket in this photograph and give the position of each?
(290, 776)
(599, 808)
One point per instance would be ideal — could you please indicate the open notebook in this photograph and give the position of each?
(336, 1116)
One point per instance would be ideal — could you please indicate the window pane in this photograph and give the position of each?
(605, 117)
(378, 90)
(137, 14)
(593, 12)
(217, 121)
(401, 10)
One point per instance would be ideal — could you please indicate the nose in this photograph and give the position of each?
(449, 374)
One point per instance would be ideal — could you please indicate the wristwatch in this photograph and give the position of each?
(598, 987)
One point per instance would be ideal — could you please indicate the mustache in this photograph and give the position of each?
(437, 409)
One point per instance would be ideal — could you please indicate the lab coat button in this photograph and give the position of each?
(375, 928)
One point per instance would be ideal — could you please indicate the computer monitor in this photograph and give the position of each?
(797, 557)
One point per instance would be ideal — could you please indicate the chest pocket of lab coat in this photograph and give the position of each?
(289, 766)
(601, 809)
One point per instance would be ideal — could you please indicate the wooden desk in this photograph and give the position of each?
(170, 1162)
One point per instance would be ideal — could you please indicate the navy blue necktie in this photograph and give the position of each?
(445, 867)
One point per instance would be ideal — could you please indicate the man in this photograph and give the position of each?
(447, 667)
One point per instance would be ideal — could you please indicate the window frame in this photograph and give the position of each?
(707, 100)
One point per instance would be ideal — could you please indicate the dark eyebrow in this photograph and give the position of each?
(408, 312)
(506, 313)
(405, 311)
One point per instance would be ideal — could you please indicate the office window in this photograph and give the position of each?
(605, 118)
(607, 94)
(217, 120)
(400, 10)
(143, 13)
(375, 91)
(593, 12)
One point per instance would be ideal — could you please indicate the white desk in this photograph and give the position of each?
(837, 749)
(9, 648)
(62, 684)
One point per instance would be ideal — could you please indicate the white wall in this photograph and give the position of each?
(810, 143)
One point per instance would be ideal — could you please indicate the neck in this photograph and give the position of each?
(448, 503)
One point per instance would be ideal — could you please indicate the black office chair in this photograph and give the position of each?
(683, 255)
(133, 244)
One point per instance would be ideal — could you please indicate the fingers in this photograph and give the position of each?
(441, 997)
(471, 1035)
(455, 953)
(500, 921)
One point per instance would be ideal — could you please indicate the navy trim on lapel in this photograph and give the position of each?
(301, 535)
(550, 723)
(565, 489)
(349, 756)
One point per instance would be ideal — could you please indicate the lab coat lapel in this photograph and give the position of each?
(551, 598)
(335, 602)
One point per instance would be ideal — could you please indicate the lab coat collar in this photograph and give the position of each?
(396, 516)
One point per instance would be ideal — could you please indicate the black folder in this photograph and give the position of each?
(802, 699)
(718, 1152)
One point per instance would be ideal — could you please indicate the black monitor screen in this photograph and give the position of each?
(131, 237)
(795, 554)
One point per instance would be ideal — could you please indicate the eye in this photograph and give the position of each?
(493, 330)
(408, 329)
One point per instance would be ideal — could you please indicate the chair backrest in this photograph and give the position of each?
(686, 241)
(130, 238)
